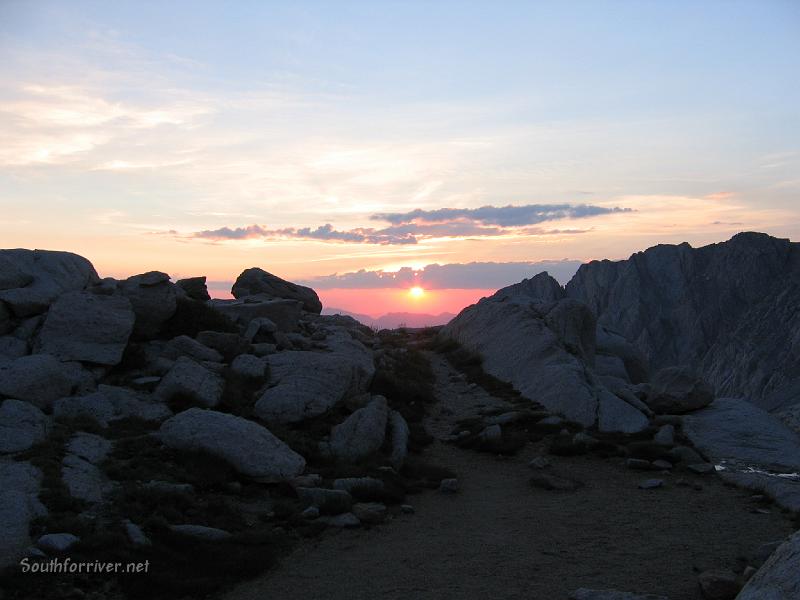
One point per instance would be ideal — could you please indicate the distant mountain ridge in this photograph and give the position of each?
(393, 320)
(730, 310)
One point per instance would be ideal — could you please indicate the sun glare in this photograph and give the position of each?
(416, 292)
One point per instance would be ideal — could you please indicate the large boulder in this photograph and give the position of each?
(19, 505)
(753, 448)
(183, 345)
(153, 298)
(109, 404)
(195, 287)
(250, 448)
(39, 379)
(256, 281)
(22, 426)
(678, 390)
(80, 472)
(86, 327)
(285, 314)
(193, 380)
(728, 309)
(30, 280)
(362, 434)
(779, 577)
(304, 384)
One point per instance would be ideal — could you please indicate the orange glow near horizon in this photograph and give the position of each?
(377, 302)
(416, 292)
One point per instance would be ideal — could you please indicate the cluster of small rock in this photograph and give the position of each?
(75, 348)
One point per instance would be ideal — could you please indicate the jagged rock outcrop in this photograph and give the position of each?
(728, 310)
(545, 346)
(194, 287)
(255, 281)
(250, 448)
(39, 379)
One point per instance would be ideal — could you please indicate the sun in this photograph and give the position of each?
(416, 292)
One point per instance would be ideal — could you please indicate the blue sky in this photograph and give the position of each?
(132, 129)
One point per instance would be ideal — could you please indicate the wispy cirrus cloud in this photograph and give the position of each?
(414, 226)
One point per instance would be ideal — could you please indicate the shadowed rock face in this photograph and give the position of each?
(727, 309)
(543, 343)
(256, 281)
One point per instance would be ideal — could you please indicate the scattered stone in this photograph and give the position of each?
(57, 543)
(701, 468)
(550, 481)
(86, 327)
(588, 594)
(22, 426)
(364, 488)
(493, 433)
(362, 433)
(449, 486)
(201, 532)
(665, 436)
(685, 454)
(193, 380)
(663, 465)
(370, 512)
(310, 480)
(230, 345)
(135, 534)
(342, 520)
(651, 484)
(332, 502)
(312, 512)
(638, 464)
(260, 329)
(250, 448)
(719, 585)
(540, 462)
(407, 509)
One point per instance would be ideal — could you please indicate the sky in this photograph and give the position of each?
(365, 148)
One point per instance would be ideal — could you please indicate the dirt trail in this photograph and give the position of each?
(501, 538)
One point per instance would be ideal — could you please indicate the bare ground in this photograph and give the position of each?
(501, 538)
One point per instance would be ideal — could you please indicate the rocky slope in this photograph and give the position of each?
(139, 416)
(729, 309)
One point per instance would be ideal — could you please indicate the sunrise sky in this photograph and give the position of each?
(350, 145)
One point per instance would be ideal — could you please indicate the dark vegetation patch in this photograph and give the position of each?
(142, 458)
(471, 364)
(405, 377)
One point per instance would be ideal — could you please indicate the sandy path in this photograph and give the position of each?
(501, 538)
